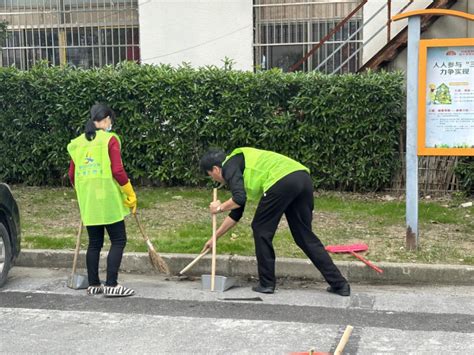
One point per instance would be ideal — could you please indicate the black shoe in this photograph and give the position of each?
(261, 289)
(344, 290)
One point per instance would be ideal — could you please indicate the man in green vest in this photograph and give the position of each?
(282, 186)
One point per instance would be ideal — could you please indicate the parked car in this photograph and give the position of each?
(10, 235)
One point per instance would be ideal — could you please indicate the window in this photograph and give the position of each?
(84, 33)
(288, 29)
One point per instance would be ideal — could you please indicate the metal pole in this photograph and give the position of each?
(389, 20)
(414, 30)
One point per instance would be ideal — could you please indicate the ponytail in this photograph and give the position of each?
(98, 113)
(90, 130)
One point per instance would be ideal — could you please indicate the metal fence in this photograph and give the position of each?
(285, 30)
(84, 33)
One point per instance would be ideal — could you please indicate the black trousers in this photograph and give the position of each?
(118, 239)
(292, 196)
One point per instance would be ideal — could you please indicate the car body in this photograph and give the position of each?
(10, 235)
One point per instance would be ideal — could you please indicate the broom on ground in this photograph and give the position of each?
(155, 258)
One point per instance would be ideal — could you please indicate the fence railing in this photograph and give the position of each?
(287, 29)
(346, 53)
(83, 33)
(436, 176)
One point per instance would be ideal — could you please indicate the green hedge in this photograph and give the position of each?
(344, 128)
(465, 172)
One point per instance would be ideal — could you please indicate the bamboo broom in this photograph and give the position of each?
(155, 258)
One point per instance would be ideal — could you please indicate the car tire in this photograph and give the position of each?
(5, 254)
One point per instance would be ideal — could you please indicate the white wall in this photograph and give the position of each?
(200, 32)
(372, 6)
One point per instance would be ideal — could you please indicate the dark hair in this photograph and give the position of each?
(98, 113)
(213, 157)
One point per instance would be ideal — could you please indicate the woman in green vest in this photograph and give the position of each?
(282, 186)
(105, 196)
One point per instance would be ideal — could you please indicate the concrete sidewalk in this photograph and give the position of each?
(39, 314)
(243, 266)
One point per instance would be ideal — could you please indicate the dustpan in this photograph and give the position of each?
(215, 282)
(221, 283)
(353, 248)
(77, 281)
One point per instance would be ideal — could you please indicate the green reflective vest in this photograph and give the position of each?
(263, 169)
(99, 195)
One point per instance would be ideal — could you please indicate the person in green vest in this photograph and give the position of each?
(105, 197)
(282, 186)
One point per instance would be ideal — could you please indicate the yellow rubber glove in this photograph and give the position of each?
(131, 200)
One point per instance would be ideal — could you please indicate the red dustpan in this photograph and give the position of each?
(352, 248)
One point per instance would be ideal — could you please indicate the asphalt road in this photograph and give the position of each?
(39, 314)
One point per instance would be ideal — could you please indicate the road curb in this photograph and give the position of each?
(244, 266)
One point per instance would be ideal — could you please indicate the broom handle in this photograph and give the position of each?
(367, 262)
(214, 228)
(145, 238)
(194, 261)
(160, 263)
(76, 252)
(344, 340)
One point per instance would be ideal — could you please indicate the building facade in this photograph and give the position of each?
(255, 35)
(197, 32)
(286, 30)
(83, 33)
(91, 33)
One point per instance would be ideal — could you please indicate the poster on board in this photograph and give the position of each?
(446, 97)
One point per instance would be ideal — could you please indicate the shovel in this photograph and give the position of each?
(77, 281)
(352, 248)
(213, 281)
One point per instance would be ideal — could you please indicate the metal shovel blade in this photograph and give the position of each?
(221, 283)
(78, 282)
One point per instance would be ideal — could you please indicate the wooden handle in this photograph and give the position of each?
(142, 231)
(76, 252)
(196, 259)
(145, 237)
(367, 262)
(214, 242)
(344, 340)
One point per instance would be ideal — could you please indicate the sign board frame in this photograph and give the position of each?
(422, 80)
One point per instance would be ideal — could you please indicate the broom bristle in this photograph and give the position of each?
(158, 262)
(155, 259)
